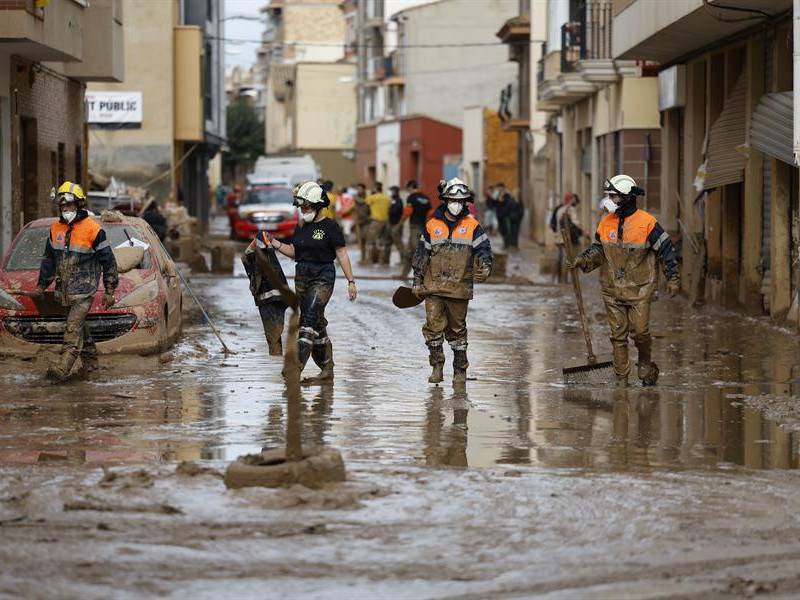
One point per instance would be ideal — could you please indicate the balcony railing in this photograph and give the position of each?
(573, 45)
(597, 18)
(380, 67)
(513, 110)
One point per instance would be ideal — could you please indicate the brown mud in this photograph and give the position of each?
(511, 486)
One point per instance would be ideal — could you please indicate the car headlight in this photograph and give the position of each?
(141, 295)
(8, 301)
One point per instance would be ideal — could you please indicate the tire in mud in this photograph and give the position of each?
(270, 468)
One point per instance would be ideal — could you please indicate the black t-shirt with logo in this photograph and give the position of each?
(317, 242)
(420, 205)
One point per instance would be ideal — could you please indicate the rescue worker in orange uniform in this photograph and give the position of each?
(628, 244)
(75, 255)
(453, 251)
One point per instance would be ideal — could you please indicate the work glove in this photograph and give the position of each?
(108, 299)
(352, 291)
(482, 271)
(579, 262)
(673, 287)
(417, 288)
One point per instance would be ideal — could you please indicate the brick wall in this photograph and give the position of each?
(50, 106)
(634, 151)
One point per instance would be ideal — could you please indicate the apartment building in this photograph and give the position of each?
(44, 68)
(420, 64)
(310, 83)
(602, 112)
(171, 118)
(729, 177)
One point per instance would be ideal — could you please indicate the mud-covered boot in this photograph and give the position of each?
(437, 362)
(648, 373)
(460, 365)
(323, 358)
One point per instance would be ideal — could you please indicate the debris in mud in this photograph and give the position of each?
(123, 480)
(346, 496)
(270, 468)
(92, 504)
(749, 587)
(192, 469)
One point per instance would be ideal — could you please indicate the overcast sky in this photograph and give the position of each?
(242, 53)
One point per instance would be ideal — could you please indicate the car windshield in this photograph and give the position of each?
(29, 249)
(268, 196)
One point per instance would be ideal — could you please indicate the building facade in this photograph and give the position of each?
(180, 126)
(420, 64)
(729, 182)
(309, 84)
(44, 68)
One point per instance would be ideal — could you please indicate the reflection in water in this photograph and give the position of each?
(446, 428)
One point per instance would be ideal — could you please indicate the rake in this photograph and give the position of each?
(593, 372)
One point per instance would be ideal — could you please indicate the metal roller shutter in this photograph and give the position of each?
(726, 163)
(771, 130)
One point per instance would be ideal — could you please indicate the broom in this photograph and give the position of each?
(593, 372)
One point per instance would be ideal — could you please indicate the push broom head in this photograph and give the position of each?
(597, 372)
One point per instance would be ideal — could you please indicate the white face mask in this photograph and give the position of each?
(609, 205)
(308, 217)
(69, 216)
(454, 208)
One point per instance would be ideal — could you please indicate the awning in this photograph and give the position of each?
(771, 130)
(726, 162)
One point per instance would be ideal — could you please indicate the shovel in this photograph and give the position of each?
(404, 297)
(588, 372)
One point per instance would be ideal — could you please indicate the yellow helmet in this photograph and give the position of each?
(70, 192)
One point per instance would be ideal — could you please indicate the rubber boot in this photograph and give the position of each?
(322, 354)
(460, 365)
(63, 367)
(437, 362)
(648, 373)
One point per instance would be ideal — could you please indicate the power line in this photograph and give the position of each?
(357, 46)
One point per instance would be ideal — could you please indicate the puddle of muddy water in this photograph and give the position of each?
(204, 405)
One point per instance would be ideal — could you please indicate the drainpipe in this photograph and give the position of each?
(796, 72)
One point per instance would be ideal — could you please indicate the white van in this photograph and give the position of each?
(289, 169)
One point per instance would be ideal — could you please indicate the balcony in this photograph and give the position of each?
(379, 68)
(53, 33)
(103, 52)
(559, 82)
(665, 31)
(514, 112)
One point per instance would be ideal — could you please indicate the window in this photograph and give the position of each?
(207, 106)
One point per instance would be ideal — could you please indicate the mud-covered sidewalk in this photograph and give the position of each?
(518, 486)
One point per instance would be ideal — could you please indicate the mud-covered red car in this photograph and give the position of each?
(146, 318)
(265, 208)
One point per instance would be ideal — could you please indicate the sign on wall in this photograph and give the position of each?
(117, 110)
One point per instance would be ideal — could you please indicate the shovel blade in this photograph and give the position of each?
(405, 298)
(599, 372)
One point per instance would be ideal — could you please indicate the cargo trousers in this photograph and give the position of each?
(628, 319)
(77, 339)
(445, 319)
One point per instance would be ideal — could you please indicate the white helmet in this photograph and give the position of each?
(623, 185)
(311, 193)
(454, 189)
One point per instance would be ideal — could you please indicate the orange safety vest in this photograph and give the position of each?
(81, 239)
(449, 269)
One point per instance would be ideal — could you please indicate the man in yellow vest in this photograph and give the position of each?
(75, 255)
(379, 205)
(453, 252)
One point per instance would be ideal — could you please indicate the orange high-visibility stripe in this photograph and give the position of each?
(636, 229)
(83, 234)
(438, 229)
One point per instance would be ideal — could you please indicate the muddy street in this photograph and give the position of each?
(516, 486)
